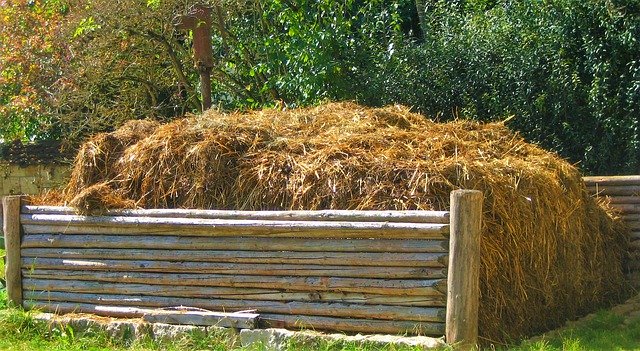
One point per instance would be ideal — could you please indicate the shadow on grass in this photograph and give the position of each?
(606, 331)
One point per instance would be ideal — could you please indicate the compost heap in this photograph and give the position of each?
(549, 251)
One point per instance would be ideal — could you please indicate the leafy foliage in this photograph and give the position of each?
(30, 65)
(129, 63)
(567, 70)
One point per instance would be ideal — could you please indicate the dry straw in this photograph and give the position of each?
(549, 252)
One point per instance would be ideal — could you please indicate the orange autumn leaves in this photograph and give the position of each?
(31, 57)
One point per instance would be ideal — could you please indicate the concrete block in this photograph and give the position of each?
(128, 331)
(11, 186)
(264, 339)
(28, 185)
(166, 332)
(268, 339)
(32, 171)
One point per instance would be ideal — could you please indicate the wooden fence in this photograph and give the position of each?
(624, 195)
(399, 272)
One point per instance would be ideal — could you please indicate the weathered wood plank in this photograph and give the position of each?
(634, 226)
(239, 294)
(631, 217)
(614, 190)
(612, 180)
(463, 293)
(421, 287)
(273, 320)
(435, 260)
(614, 200)
(351, 325)
(634, 245)
(231, 243)
(335, 309)
(43, 223)
(12, 236)
(414, 216)
(234, 268)
(627, 208)
(233, 320)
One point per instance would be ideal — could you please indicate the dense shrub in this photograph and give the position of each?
(567, 72)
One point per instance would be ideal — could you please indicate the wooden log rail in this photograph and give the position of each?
(398, 272)
(623, 193)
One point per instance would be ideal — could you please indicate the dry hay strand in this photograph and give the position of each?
(96, 159)
(50, 197)
(549, 251)
(99, 198)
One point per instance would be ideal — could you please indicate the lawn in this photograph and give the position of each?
(20, 331)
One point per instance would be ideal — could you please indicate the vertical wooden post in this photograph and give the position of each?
(463, 282)
(12, 236)
(199, 21)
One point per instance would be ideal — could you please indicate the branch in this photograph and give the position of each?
(245, 55)
(177, 66)
(151, 88)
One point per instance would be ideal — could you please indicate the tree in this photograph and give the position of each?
(566, 70)
(30, 66)
(129, 63)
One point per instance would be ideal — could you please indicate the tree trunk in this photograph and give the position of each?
(421, 7)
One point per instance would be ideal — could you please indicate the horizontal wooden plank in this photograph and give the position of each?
(231, 243)
(615, 190)
(44, 223)
(335, 309)
(351, 325)
(420, 287)
(633, 225)
(612, 180)
(634, 235)
(614, 200)
(235, 268)
(627, 208)
(239, 294)
(412, 216)
(274, 320)
(385, 259)
(631, 217)
(220, 319)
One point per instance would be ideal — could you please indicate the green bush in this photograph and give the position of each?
(568, 71)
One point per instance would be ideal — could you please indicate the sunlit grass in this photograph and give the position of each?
(1, 264)
(19, 330)
(606, 331)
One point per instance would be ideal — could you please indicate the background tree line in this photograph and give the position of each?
(567, 72)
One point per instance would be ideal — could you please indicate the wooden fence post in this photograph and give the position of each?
(11, 227)
(463, 283)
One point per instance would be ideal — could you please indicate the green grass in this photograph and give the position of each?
(20, 331)
(607, 331)
(1, 264)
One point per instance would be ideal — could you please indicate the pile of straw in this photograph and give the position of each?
(549, 252)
